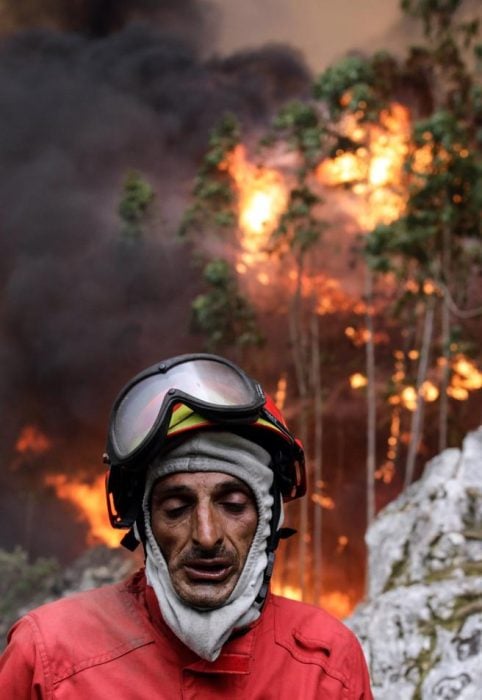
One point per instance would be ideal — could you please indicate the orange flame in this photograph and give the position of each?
(324, 501)
(358, 380)
(89, 499)
(262, 197)
(280, 396)
(337, 603)
(32, 440)
(466, 377)
(375, 169)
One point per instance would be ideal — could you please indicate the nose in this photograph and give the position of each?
(207, 530)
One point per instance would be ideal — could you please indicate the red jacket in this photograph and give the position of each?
(112, 643)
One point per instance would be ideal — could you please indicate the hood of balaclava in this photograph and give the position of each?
(205, 631)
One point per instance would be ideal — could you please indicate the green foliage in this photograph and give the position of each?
(354, 74)
(299, 226)
(436, 15)
(21, 581)
(213, 196)
(137, 195)
(222, 314)
(304, 129)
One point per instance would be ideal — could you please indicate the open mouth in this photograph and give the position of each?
(208, 571)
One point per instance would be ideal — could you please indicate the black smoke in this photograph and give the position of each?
(98, 18)
(85, 98)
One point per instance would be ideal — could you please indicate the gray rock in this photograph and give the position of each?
(421, 627)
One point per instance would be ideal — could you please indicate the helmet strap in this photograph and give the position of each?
(273, 541)
(130, 540)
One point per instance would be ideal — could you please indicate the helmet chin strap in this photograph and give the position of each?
(276, 534)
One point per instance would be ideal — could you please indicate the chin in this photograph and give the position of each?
(205, 598)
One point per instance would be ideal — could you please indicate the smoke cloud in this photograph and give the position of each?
(98, 18)
(87, 96)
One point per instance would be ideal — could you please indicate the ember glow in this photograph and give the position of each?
(466, 377)
(324, 501)
(280, 395)
(358, 380)
(32, 440)
(90, 501)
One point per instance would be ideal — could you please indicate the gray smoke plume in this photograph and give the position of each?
(82, 309)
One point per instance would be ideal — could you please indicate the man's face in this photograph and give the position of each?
(204, 523)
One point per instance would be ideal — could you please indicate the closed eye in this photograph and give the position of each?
(174, 513)
(234, 507)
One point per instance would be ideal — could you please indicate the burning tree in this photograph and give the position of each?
(396, 144)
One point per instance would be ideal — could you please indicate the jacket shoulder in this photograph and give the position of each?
(310, 621)
(312, 635)
(86, 628)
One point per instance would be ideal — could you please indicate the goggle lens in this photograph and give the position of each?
(214, 383)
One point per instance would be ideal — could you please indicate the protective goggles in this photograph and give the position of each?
(209, 384)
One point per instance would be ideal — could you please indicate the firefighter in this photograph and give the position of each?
(200, 462)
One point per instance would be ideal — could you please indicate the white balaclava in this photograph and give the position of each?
(206, 631)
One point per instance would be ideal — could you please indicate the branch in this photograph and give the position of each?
(460, 313)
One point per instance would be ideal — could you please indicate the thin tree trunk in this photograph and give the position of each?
(444, 402)
(444, 380)
(299, 355)
(417, 416)
(303, 509)
(371, 400)
(317, 461)
(296, 333)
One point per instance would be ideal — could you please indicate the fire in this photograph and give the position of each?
(32, 440)
(287, 591)
(466, 377)
(337, 603)
(361, 336)
(262, 197)
(89, 499)
(358, 380)
(281, 389)
(375, 169)
(324, 501)
(408, 395)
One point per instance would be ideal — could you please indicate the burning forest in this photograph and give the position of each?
(331, 243)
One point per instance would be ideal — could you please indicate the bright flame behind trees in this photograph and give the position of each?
(88, 497)
(262, 197)
(374, 167)
(369, 170)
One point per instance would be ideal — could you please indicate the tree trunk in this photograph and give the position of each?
(444, 380)
(298, 347)
(317, 459)
(371, 400)
(417, 416)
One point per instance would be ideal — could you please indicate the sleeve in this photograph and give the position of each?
(22, 675)
(360, 676)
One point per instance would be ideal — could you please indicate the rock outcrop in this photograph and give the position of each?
(421, 628)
